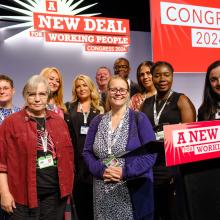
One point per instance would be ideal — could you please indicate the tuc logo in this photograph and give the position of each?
(96, 33)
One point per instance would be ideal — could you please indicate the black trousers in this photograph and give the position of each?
(50, 207)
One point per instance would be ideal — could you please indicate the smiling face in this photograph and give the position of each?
(122, 68)
(54, 81)
(82, 90)
(162, 78)
(102, 77)
(145, 76)
(214, 79)
(118, 93)
(36, 100)
(6, 93)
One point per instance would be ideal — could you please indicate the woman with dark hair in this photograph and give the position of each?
(167, 107)
(144, 78)
(203, 176)
(210, 107)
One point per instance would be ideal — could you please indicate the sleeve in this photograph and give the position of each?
(138, 166)
(95, 166)
(3, 148)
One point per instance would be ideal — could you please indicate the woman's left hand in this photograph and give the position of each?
(115, 173)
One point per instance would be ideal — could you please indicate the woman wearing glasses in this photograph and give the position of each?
(118, 190)
(36, 159)
(84, 107)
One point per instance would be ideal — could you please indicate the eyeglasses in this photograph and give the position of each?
(5, 88)
(122, 91)
(121, 66)
(41, 95)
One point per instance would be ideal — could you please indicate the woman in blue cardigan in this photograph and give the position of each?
(123, 187)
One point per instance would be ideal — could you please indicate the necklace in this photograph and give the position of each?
(41, 123)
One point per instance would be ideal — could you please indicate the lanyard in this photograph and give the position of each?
(44, 141)
(85, 114)
(110, 132)
(157, 116)
(2, 117)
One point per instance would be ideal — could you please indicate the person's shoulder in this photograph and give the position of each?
(134, 85)
(183, 98)
(97, 118)
(70, 106)
(16, 117)
(16, 109)
(149, 100)
(136, 96)
(138, 114)
(53, 115)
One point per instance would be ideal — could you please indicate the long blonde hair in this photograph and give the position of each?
(58, 95)
(95, 100)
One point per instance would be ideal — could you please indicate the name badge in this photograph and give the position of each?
(84, 129)
(159, 135)
(111, 160)
(44, 162)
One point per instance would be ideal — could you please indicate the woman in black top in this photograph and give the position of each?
(167, 107)
(203, 176)
(210, 107)
(83, 108)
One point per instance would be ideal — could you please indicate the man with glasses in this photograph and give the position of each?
(6, 107)
(122, 68)
(6, 94)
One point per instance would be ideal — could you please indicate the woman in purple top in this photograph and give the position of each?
(119, 192)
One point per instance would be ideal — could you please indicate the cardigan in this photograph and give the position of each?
(18, 153)
(140, 189)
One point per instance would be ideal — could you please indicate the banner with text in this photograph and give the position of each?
(97, 33)
(191, 142)
(67, 22)
(186, 33)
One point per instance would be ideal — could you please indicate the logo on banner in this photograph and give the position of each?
(186, 34)
(191, 142)
(59, 21)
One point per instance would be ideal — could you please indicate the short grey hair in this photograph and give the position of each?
(32, 84)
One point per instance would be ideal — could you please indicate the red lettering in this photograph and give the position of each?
(170, 13)
(212, 133)
(181, 139)
(202, 135)
(181, 14)
(193, 136)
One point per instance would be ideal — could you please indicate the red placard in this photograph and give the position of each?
(191, 142)
(186, 33)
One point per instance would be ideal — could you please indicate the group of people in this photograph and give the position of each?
(51, 151)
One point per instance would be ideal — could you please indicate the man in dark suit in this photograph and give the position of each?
(122, 68)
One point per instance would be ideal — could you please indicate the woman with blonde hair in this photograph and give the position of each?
(122, 187)
(55, 81)
(85, 105)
